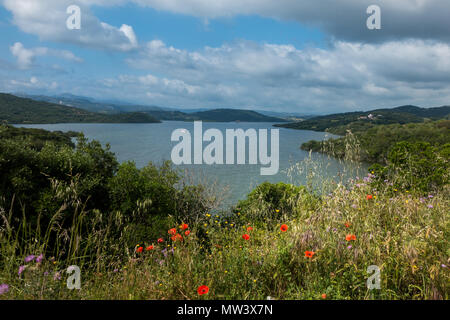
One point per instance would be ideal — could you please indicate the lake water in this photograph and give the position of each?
(143, 143)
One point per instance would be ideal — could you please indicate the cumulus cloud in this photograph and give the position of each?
(246, 74)
(25, 57)
(47, 19)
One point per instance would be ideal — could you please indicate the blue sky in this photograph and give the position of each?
(275, 55)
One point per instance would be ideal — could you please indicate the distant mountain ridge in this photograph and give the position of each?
(339, 123)
(19, 110)
(119, 114)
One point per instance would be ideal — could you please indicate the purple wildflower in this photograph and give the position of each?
(21, 269)
(29, 258)
(443, 266)
(354, 206)
(4, 288)
(40, 258)
(349, 247)
(116, 270)
(430, 206)
(46, 273)
(430, 196)
(57, 276)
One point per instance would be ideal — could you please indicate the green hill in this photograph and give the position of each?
(361, 121)
(229, 115)
(18, 110)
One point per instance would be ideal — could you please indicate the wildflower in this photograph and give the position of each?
(177, 237)
(324, 295)
(46, 273)
(350, 237)
(172, 231)
(40, 258)
(349, 247)
(116, 270)
(354, 206)
(369, 197)
(139, 249)
(21, 270)
(443, 266)
(187, 232)
(309, 254)
(430, 206)
(160, 240)
(246, 237)
(29, 258)
(4, 288)
(347, 225)
(277, 210)
(249, 229)
(150, 247)
(283, 228)
(202, 290)
(57, 276)
(184, 226)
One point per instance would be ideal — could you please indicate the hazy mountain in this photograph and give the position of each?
(17, 110)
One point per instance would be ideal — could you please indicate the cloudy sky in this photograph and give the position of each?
(283, 55)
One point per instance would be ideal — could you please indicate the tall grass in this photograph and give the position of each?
(350, 227)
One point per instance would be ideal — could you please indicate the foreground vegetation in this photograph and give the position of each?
(146, 234)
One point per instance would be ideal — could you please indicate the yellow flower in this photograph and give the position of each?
(277, 210)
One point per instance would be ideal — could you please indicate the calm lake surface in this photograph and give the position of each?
(144, 143)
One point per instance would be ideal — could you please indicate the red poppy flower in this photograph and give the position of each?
(246, 237)
(172, 231)
(350, 237)
(177, 237)
(324, 295)
(309, 254)
(369, 197)
(184, 226)
(203, 290)
(283, 228)
(347, 225)
(249, 229)
(150, 247)
(160, 240)
(187, 232)
(139, 249)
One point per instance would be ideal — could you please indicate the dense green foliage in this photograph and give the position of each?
(21, 111)
(376, 142)
(361, 121)
(34, 173)
(417, 154)
(70, 205)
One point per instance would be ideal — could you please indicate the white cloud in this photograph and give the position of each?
(47, 19)
(25, 57)
(246, 74)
